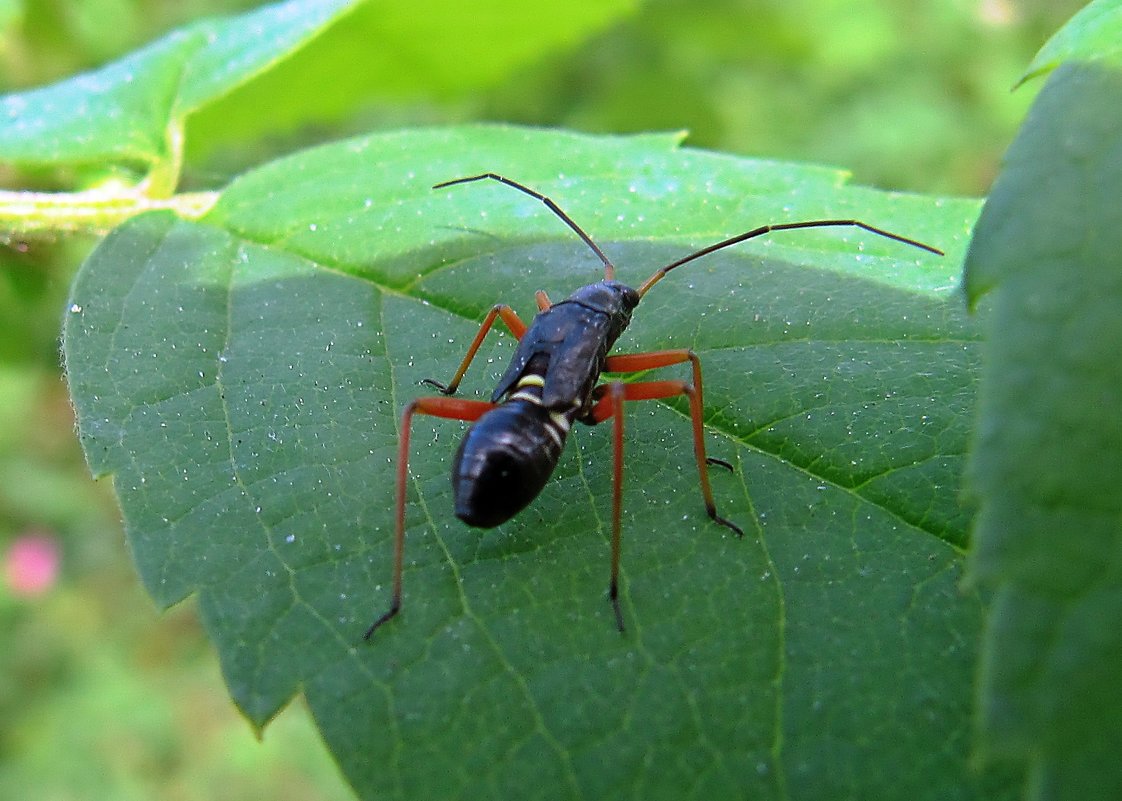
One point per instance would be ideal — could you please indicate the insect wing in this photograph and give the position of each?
(576, 333)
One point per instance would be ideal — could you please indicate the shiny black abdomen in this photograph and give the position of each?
(504, 461)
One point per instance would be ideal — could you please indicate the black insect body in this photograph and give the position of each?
(516, 438)
(508, 455)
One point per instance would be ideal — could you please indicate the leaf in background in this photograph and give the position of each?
(420, 50)
(1047, 462)
(130, 111)
(1094, 33)
(241, 379)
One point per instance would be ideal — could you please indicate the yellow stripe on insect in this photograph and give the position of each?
(525, 381)
(560, 420)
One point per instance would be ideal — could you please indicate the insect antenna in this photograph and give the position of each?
(766, 229)
(609, 268)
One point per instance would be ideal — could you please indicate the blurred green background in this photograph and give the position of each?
(103, 697)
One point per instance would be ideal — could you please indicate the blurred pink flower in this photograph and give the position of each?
(31, 564)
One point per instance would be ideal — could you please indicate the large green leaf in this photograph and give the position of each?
(1048, 460)
(241, 380)
(131, 111)
(404, 52)
(236, 77)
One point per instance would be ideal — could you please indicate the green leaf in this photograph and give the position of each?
(1047, 463)
(131, 111)
(404, 52)
(241, 378)
(1092, 34)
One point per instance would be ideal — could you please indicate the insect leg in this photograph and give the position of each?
(616, 397)
(610, 404)
(453, 409)
(649, 390)
(634, 362)
(513, 322)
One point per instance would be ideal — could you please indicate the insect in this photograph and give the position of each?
(553, 380)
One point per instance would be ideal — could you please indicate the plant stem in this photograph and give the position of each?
(93, 211)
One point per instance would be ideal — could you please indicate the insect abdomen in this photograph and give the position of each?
(505, 459)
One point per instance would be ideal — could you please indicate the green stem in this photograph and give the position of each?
(94, 211)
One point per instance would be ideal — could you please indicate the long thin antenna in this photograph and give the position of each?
(766, 229)
(609, 268)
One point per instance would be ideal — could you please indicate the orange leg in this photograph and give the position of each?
(513, 322)
(630, 363)
(610, 404)
(633, 362)
(453, 409)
